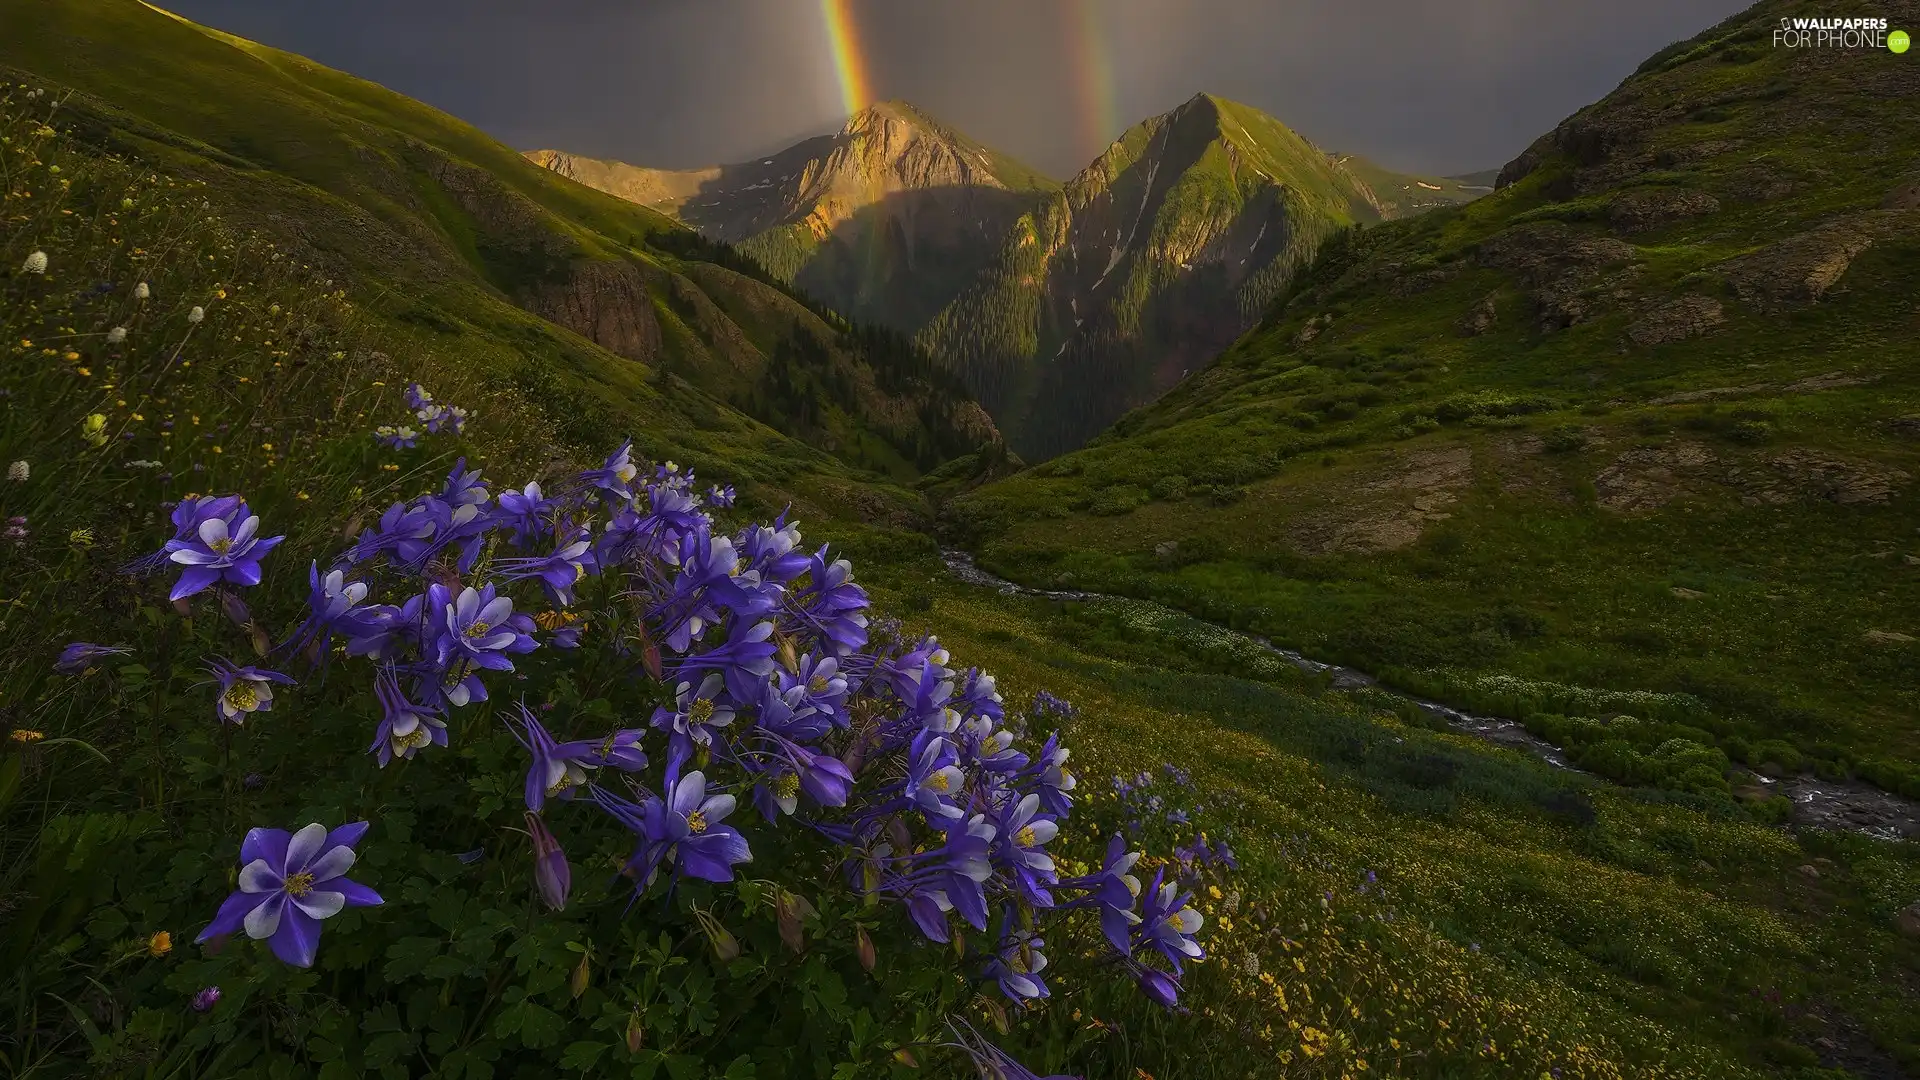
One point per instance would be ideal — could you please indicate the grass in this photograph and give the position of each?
(1727, 517)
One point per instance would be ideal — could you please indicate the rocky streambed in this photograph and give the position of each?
(1817, 803)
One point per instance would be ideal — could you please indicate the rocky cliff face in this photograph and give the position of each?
(884, 220)
(1147, 264)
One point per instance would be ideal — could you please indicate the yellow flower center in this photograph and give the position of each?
(300, 884)
(478, 629)
(562, 784)
(220, 546)
(939, 782)
(700, 711)
(817, 684)
(787, 785)
(697, 821)
(417, 737)
(1025, 837)
(243, 696)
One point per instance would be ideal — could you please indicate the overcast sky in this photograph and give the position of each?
(1418, 85)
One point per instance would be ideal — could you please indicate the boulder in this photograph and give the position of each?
(1653, 208)
(1676, 320)
(1904, 197)
(1798, 271)
(1482, 318)
(1908, 921)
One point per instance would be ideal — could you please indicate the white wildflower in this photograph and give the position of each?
(1250, 965)
(197, 314)
(19, 471)
(141, 292)
(116, 335)
(36, 263)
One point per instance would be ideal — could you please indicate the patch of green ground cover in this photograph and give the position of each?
(1520, 912)
(1290, 472)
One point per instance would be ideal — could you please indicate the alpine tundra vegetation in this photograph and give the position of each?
(464, 624)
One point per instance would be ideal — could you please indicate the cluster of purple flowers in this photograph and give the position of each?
(777, 692)
(435, 416)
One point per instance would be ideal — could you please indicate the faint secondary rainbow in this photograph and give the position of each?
(849, 66)
(1091, 69)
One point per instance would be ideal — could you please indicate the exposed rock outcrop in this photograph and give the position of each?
(1797, 271)
(1652, 208)
(1678, 319)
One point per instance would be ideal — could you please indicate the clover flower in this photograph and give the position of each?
(141, 291)
(36, 263)
(206, 997)
(19, 471)
(289, 884)
(224, 546)
(117, 335)
(197, 315)
(243, 690)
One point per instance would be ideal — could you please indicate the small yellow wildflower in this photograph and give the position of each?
(160, 944)
(26, 735)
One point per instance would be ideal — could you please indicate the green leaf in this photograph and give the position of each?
(582, 1055)
(537, 1025)
(409, 956)
(741, 1069)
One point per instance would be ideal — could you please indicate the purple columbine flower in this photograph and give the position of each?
(684, 831)
(1116, 890)
(697, 714)
(476, 629)
(1168, 923)
(243, 690)
(223, 548)
(204, 999)
(934, 782)
(560, 769)
(1023, 832)
(417, 396)
(404, 726)
(560, 570)
(720, 497)
(289, 883)
(1017, 965)
(617, 474)
(551, 874)
(81, 655)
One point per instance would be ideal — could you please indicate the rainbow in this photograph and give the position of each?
(849, 65)
(1092, 72)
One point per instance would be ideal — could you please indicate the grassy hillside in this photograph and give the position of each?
(459, 230)
(1153, 259)
(1643, 419)
(1402, 901)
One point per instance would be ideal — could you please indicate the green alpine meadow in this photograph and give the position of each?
(876, 610)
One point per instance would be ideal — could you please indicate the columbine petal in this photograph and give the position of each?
(259, 876)
(331, 864)
(296, 939)
(264, 920)
(305, 846)
(321, 904)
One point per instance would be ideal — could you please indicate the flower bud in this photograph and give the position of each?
(577, 983)
(636, 1032)
(141, 292)
(36, 263)
(551, 874)
(863, 948)
(903, 1057)
(786, 915)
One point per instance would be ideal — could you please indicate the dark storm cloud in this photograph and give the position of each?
(1418, 85)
